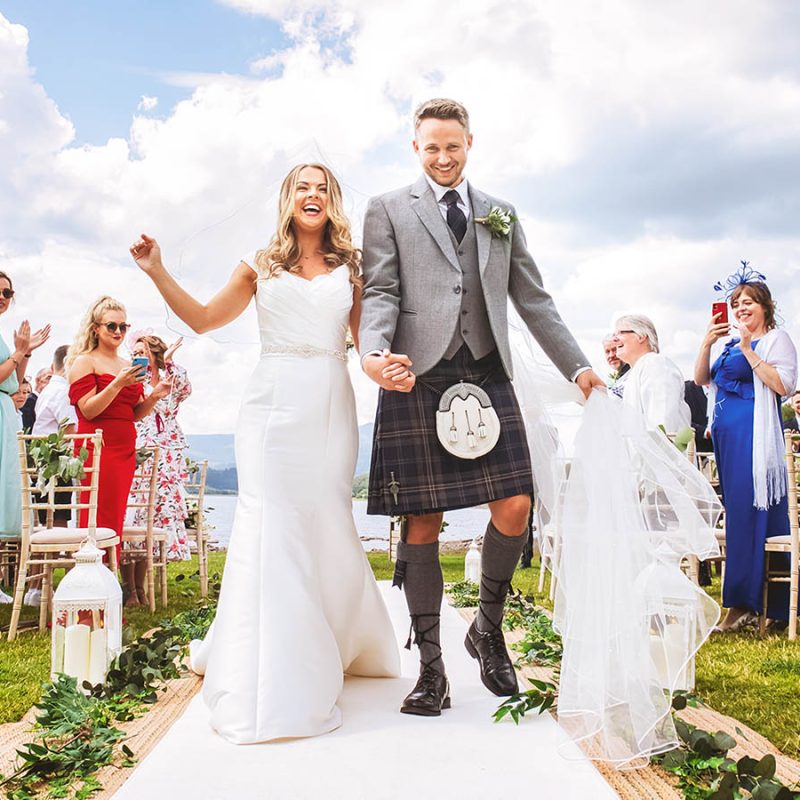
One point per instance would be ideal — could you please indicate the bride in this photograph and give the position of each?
(299, 606)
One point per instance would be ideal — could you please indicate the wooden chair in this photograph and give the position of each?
(196, 492)
(143, 497)
(789, 544)
(49, 547)
(707, 464)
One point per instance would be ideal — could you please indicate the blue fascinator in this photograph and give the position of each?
(745, 274)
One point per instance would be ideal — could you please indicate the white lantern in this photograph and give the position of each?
(472, 563)
(673, 625)
(87, 619)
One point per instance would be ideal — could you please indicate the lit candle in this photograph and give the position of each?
(97, 657)
(76, 652)
(58, 665)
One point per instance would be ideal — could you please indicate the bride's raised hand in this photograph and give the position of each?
(147, 254)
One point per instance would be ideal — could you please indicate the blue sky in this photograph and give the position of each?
(97, 58)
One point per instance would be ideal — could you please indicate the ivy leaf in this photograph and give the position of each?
(724, 741)
(766, 767)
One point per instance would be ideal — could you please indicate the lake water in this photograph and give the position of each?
(374, 531)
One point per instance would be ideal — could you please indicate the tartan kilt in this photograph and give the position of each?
(406, 449)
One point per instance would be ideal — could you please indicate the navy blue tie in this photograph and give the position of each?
(455, 216)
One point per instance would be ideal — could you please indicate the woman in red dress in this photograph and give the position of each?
(107, 393)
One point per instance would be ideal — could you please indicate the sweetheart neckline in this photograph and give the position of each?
(311, 280)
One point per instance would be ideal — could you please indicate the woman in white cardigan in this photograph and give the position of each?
(746, 383)
(654, 385)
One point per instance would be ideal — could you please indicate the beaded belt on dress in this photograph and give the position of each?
(304, 350)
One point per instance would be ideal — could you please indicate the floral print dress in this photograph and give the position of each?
(161, 428)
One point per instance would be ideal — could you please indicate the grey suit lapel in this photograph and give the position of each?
(480, 208)
(424, 204)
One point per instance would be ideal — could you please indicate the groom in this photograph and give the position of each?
(437, 280)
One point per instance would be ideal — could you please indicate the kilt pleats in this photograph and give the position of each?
(411, 473)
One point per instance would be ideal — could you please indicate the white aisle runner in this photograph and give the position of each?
(378, 753)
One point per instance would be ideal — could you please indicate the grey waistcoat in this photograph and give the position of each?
(472, 325)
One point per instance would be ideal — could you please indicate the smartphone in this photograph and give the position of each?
(722, 310)
(141, 362)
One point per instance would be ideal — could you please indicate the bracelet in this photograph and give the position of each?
(27, 355)
(756, 366)
(16, 363)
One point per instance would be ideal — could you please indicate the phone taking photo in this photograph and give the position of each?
(140, 362)
(722, 310)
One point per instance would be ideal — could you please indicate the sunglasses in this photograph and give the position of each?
(7, 293)
(620, 333)
(112, 327)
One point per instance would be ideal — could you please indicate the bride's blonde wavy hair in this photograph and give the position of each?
(283, 251)
(86, 338)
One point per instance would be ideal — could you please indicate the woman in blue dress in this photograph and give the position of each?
(12, 371)
(747, 382)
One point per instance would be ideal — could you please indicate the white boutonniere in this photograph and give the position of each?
(498, 221)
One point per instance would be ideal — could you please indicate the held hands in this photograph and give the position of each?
(716, 330)
(391, 371)
(588, 381)
(147, 254)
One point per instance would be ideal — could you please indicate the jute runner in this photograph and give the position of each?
(650, 783)
(143, 733)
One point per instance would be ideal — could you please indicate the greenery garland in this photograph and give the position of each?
(700, 762)
(75, 734)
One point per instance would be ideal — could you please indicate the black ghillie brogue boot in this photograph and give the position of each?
(489, 647)
(431, 693)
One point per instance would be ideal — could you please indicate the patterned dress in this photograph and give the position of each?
(161, 428)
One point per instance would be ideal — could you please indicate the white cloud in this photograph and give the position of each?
(147, 103)
(646, 156)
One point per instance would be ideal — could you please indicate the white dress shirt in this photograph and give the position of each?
(52, 406)
(440, 191)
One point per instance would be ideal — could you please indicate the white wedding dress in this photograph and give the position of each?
(299, 606)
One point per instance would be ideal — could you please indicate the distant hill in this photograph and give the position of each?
(218, 449)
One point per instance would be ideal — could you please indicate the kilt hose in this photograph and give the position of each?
(411, 473)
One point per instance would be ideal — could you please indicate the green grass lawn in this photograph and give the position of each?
(754, 680)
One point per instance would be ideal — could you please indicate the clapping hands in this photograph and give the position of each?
(27, 342)
(170, 351)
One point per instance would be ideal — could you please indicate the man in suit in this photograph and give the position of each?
(436, 285)
(697, 400)
(793, 423)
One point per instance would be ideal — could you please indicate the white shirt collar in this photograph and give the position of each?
(440, 191)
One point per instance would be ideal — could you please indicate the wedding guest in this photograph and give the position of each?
(619, 369)
(25, 401)
(654, 385)
(162, 429)
(12, 371)
(21, 398)
(697, 400)
(747, 380)
(793, 423)
(42, 379)
(53, 409)
(107, 393)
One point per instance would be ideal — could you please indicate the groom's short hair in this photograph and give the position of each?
(441, 108)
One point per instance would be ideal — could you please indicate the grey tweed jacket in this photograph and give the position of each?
(411, 270)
